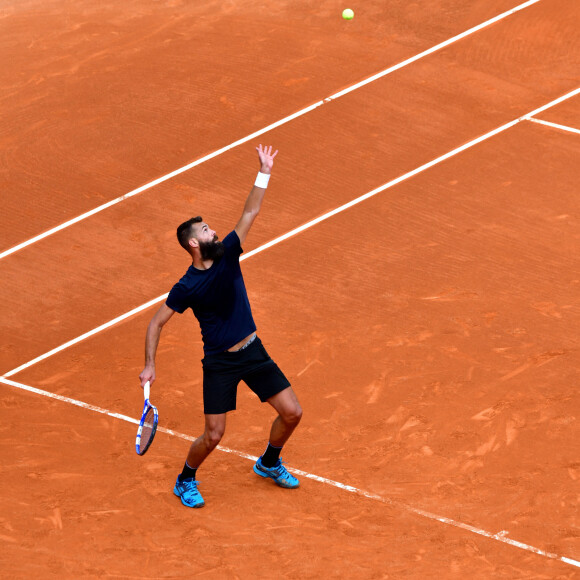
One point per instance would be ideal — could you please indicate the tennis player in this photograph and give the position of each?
(213, 287)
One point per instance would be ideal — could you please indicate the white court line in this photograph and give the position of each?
(554, 125)
(283, 121)
(85, 335)
(500, 536)
(307, 225)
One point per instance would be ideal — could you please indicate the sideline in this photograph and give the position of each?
(310, 224)
(283, 121)
(500, 536)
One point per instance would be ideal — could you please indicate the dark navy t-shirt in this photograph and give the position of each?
(218, 299)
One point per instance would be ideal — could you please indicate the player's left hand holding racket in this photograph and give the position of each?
(148, 423)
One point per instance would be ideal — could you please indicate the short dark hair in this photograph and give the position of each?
(185, 231)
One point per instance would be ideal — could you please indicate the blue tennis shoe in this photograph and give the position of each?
(188, 492)
(278, 473)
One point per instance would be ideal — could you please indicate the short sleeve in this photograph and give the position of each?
(177, 299)
(232, 243)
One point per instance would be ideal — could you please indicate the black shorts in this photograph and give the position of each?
(222, 373)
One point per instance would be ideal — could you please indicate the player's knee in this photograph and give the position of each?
(213, 437)
(293, 415)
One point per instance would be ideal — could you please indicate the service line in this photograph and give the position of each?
(256, 134)
(500, 536)
(554, 125)
(309, 224)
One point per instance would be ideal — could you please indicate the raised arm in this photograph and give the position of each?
(254, 200)
(152, 340)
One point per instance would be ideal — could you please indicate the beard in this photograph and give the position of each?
(213, 250)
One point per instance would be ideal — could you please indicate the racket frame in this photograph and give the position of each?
(147, 406)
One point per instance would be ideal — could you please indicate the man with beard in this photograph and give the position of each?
(213, 287)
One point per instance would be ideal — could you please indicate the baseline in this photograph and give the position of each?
(268, 128)
(500, 536)
(310, 224)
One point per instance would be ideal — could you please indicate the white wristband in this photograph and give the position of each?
(262, 180)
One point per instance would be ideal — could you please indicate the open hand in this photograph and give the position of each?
(266, 158)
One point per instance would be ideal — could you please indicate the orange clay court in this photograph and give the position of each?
(430, 328)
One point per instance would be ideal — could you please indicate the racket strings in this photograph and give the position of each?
(148, 428)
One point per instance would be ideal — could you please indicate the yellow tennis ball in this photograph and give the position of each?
(347, 14)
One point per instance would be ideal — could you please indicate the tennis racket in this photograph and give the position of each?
(148, 423)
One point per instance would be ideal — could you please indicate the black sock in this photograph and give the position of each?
(187, 473)
(271, 456)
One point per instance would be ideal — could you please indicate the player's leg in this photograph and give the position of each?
(215, 426)
(264, 377)
(220, 384)
(289, 414)
(186, 485)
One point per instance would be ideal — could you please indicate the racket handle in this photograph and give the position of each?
(147, 390)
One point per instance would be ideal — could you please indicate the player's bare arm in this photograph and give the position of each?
(256, 196)
(160, 318)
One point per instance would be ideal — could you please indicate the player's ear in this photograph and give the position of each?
(193, 243)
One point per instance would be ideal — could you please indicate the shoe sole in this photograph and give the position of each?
(186, 504)
(257, 471)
